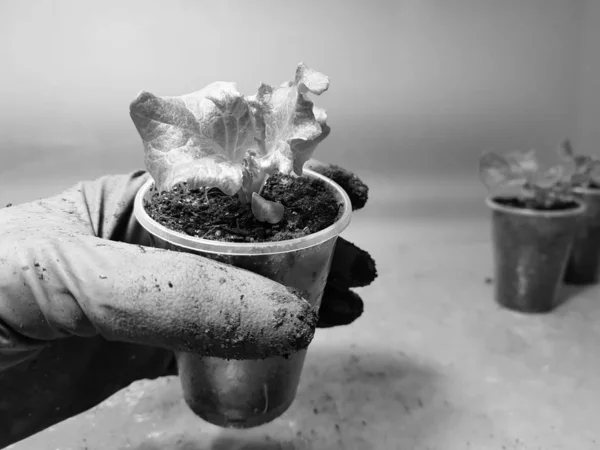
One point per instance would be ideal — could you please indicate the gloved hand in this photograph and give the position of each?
(86, 307)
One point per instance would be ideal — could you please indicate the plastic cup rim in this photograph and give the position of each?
(492, 203)
(245, 248)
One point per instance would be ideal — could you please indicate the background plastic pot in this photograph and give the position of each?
(530, 254)
(584, 262)
(248, 393)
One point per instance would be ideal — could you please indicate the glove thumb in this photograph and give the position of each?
(83, 285)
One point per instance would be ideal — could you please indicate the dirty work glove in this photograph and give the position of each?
(86, 307)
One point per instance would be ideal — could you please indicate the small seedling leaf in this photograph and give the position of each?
(551, 177)
(565, 150)
(538, 187)
(496, 171)
(524, 162)
(265, 210)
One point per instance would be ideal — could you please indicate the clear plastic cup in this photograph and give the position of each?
(248, 393)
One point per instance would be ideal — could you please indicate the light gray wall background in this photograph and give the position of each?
(418, 87)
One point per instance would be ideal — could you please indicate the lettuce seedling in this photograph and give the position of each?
(520, 173)
(585, 169)
(219, 138)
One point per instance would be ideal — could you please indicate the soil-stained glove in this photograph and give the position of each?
(87, 307)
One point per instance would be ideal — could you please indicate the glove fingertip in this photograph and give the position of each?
(339, 307)
(356, 189)
(351, 267)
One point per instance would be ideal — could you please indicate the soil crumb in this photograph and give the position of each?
(209, 214)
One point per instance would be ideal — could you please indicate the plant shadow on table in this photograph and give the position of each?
(356, 398)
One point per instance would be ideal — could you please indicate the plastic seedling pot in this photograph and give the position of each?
(531, 249)
(249, 393)
(584, 262)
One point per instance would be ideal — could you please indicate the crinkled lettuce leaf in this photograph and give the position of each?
(217, 137)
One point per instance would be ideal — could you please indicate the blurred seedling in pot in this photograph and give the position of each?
(520, 173)
(584, 169)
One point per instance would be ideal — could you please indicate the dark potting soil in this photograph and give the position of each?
(530, 204)
(310, 207)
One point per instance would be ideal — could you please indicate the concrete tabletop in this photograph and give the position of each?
(433, 364)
